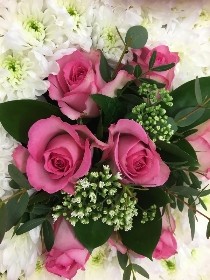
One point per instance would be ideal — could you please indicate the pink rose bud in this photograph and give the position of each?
(163, 57)
(68, 254)
(167, 245)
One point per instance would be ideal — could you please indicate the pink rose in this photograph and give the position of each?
(68, 254)
(201, 144)
(133, 154)
(58, 154)
(164, 56)
(78, 78)
(167, 245)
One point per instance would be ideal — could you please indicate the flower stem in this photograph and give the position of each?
(119, 62)
(188, 205)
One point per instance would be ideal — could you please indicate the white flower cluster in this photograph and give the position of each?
(33, 35)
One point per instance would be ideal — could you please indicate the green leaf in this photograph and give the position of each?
(29, 225)
(93, 234)
(204, 193)
(163, 67)
(18, 177)
(189, 132)
(137, 71)
(196, 184)
(183, 176)
(136, 37)
(140, 270)
(152, 59)
(112, 108)
(187, 147)
(3, 220)
(208, 230)
(184, 97)
(40, 209)
(203, 204)
(127, 272)
(198, 93)
(152, 82)
(105, 69)
(188, 116)
(122, 259)
(19, 115)
(172, 123)
(184, 191)
(191, 217)
(48, 234)
(168, 150)
(180, 204)
(38, 197)
(16, 206)
(156, 196)
(135, 239)
(128, 68)
(14, 185)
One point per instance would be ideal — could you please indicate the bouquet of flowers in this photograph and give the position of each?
(107, 152)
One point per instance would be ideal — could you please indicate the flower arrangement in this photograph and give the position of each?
(110, 148)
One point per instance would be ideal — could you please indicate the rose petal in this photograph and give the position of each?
(20, 156)
(119, 82)
(40, 179)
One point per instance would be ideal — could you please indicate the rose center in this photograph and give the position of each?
(77, 74)
(59, 163)
(139, 163)
(160, 59)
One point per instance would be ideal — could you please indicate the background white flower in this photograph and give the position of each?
(105, 35)
(7, 145)
(33, 26)
(18, 253)
(21, 76)
(75, 19)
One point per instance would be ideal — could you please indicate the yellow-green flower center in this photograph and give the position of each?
(15, 68)
(170, 265)
(110, 36)
(39, 265)
(204, 15)
(98, 258)
(72, 11)
(36, 28)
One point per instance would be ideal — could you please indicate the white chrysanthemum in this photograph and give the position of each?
(7, 14)
(75, 19)
(105, 35)
(33, 27)
(7, 145)
(21, 76)
(18, 253)
(102, 264)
